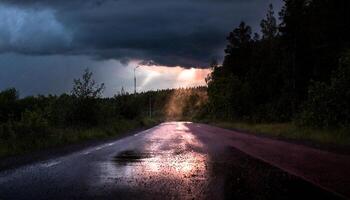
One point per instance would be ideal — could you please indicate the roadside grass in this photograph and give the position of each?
(59, 137)
(335, 137)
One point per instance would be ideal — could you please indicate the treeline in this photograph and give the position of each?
(37, 122)
(297, 69)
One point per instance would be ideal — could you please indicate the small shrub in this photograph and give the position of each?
(328, 105)
(6, 131)
(32, 123)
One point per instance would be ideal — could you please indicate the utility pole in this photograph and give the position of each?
(135, 79)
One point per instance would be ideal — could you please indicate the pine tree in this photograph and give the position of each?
(269, 25)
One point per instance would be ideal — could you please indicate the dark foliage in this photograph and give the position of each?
(268, 78)
(39, 116)
(328, 104)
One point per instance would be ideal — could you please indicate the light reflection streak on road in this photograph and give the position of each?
(169, 156)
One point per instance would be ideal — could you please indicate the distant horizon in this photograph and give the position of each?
(147, 80)
(128, 92)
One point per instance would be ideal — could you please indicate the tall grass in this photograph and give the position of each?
(339, 137)
(58, 137)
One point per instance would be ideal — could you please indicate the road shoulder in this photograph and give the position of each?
(344, 150)
(21, 160)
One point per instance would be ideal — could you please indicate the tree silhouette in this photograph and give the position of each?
(238, 38)
(86, 92)
(276, 69)
(87, 87)
(269, 25)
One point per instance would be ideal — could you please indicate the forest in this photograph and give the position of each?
(295, 70)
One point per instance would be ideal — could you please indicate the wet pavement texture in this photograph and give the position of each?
(174, 160)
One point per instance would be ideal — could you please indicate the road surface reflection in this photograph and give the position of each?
(167, 161)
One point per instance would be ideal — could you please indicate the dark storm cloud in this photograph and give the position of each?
(167, 32)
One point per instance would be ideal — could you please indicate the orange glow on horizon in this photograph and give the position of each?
(181, 77)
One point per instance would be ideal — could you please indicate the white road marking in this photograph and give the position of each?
(98, 148)
(50, 164)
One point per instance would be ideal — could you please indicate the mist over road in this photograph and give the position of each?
(183, 160)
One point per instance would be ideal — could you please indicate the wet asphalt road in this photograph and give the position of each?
(174, 160)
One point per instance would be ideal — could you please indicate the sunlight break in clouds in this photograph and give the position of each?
(54, 74)
(162, 77)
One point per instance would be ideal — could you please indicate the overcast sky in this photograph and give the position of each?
(44, 44)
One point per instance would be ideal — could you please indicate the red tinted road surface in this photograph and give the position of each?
(327, 170)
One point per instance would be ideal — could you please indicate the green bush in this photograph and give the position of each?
(7, 131)
(8, 106)
(32, 123)
(230, 97)
(328, 105)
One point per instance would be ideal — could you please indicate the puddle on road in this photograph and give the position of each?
(130, 156)
(167, 165)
